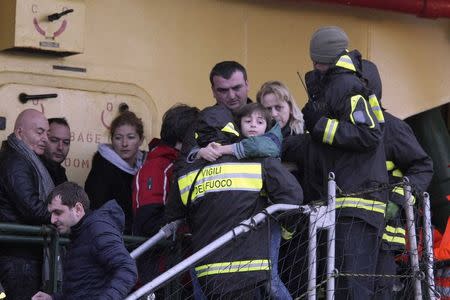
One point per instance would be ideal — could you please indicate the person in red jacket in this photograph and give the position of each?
(442, 254)
(151, 183)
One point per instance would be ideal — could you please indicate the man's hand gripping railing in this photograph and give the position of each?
(165, 232)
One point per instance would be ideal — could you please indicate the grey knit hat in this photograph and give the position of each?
(327, 43)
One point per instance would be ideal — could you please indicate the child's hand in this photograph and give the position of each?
(222, 149)
(210, 152)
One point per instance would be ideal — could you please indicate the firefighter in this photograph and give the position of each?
(348, 141)
(216, 197)
(404, 157)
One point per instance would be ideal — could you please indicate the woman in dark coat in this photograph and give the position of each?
(296, 155)
(114, 166)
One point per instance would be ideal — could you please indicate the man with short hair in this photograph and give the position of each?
(229, 84)
(97, 264)
(57, 149)
(230, 88)
(24, 186)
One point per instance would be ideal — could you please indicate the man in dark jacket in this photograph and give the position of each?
(404, 157)
(24, 186)
(97, 264)
(229, 86)
(349, 142)
(217, 196)
(57, 149)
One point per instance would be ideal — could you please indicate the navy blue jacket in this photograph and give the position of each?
(97, 264)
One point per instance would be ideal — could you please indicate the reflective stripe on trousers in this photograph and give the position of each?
(233, 267)
(361, 203)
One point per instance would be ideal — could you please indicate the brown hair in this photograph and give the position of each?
(250, 108)
(127, 118)
(70, 194)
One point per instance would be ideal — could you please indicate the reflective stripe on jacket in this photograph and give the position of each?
(221, 177)
(222, 195)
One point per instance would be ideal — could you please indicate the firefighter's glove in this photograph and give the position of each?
(286, 234)
(391, 210)
(311, 114)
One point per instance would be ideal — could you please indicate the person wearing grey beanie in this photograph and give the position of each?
(347, 139)
(327, 43)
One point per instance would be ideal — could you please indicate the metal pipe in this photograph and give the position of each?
(312, 255)
(197, 256)
(12, 228)
(54, 244)
(421, 8)
(413, 252)
(24, 98)
(429, 258)
(21, 239)
(163, 233)
(331, 236)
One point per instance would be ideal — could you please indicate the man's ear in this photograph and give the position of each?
(79, 209)
(18, 132)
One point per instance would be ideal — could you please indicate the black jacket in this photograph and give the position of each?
(225, 193)
(97, 265)
(190, 141)
(106, 182)
(349, 140)
(404, 157)
(57, 171)
(407, 157)
(19, 199)
(298, 149)
(19, 191)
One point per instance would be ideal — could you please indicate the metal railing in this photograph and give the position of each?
(323, 213)
(320, 218)
(51, 241)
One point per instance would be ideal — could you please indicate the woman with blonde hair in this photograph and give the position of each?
(298, 156)
(277, 98)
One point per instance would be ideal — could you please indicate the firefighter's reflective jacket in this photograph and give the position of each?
(349, 139)
(404, 157)
(216, 197)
